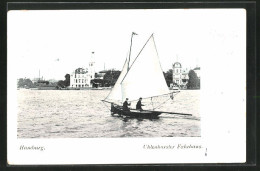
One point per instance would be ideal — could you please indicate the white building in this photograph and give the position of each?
(184, 77)
(180, 76)
(81, 77)
(176, 73)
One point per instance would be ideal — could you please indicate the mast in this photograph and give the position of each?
(115, 94)
(133, 33)
(149, 82)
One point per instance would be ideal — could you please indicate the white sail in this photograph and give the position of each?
(145, 77)
(115, 95)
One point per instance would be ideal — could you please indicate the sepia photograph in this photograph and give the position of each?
(163, 85)
(103, 76)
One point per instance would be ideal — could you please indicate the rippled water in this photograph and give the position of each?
(80, 114)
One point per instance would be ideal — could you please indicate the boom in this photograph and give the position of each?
(173, 113)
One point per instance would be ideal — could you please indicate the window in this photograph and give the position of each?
(76, 81)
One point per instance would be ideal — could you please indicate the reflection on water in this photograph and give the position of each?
(81, 114)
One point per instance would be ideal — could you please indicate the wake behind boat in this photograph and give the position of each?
(144, 78)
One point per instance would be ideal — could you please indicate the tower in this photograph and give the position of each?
(91, 66)
(176, 73)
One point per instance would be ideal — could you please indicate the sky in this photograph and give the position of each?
(56, 42)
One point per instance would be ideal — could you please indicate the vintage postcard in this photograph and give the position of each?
(146, 86)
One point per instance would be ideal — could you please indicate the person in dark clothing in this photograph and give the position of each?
(139, 104)
(126, 104)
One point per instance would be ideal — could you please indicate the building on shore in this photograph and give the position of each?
(35, 80)
(177, 73)
(106, 78)
(100, 75)
(180, 77)
(81, 77)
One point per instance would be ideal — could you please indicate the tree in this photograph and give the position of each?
(20, 83)
(25, 83)
(97, 82)
(61, 84)
(65, 83)
(194, 81)
(168, 77)
(111, 77)
(67, 80)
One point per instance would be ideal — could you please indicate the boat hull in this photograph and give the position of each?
(115, 109)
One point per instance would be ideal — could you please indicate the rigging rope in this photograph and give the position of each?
(106, 105)
(171, 97)
(161, 103)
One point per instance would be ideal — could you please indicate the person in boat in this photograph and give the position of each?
(112, 108)
(139, 104)
(126, 104)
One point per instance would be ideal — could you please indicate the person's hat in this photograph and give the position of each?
(140, 98)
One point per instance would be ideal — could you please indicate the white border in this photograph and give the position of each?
(223, 119)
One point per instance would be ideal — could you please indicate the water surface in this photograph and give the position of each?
(81, 114)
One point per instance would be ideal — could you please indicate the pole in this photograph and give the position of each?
(152, 102)
(173, 113)
(130, 49)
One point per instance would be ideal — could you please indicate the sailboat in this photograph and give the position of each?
(144, 78)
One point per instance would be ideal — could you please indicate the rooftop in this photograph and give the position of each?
(197, 68)
(80, 71)
(176, 64)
